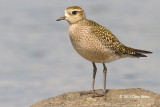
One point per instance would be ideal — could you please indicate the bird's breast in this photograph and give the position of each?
(88, 45)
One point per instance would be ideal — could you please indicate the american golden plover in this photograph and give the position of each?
(95, 42)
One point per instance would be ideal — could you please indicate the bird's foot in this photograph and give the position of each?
(99, 95)
(94, 94)
(87, 92)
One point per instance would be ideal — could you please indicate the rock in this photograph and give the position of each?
(116, 98)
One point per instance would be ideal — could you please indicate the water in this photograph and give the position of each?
(37, 60)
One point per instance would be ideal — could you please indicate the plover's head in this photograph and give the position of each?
(73, 15)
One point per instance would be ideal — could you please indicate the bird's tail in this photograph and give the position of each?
(136, 52)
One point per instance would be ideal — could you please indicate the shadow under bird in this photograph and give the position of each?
(96, 43)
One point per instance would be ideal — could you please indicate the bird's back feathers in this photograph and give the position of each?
(110, 41)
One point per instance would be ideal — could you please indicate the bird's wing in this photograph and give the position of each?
(110, 41)
(106, 37)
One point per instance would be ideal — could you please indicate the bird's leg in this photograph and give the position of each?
(104, 73)
(94, 76)
(93, 81)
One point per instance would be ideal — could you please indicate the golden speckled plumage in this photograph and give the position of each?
(82, 29)
(95, 42)
(89, 42)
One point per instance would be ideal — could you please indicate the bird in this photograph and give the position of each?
(96, 43)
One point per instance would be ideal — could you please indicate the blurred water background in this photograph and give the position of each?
(37, 60)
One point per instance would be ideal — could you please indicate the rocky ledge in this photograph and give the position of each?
(114, 98)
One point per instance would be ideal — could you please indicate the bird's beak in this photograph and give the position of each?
(61, 18)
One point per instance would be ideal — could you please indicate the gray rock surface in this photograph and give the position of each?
(114, 98)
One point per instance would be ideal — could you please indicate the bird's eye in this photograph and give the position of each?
(74, 12)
